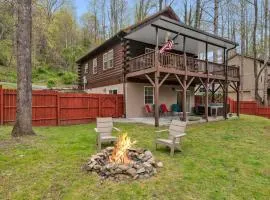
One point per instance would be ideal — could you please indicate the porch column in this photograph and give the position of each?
(225, 91)
(206, 83)
(206, 99)
(224, 101)
(156, 82)
(156, 100)
(238, 99)
(213, 93)
(184, 107)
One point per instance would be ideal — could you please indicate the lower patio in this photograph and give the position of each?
(165, 121)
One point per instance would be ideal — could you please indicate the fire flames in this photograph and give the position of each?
(119, 154)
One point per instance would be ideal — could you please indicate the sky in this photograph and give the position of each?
(82, 6)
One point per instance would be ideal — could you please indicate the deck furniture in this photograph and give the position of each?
(175, 109)
(148, 110)
(104, 131)
(164, 110)
(176, 132)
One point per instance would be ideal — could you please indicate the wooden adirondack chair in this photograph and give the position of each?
(176, 132)
(104, 131)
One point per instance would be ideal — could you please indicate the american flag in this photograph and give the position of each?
(167, 46)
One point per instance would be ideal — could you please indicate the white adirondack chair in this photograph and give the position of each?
(104, 131)
(176, 132)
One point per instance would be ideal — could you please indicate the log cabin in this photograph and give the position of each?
(131, 63)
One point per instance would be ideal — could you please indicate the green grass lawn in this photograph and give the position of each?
(220, 160)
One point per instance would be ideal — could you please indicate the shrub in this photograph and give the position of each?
(51, 83)
(42, 70)
(60, 74)
(69, 78)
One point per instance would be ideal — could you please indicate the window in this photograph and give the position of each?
(148, 50)
(108, 60)
(86, 68)
(105, 61)
(113, 91)
(95, 66)
(148, 95)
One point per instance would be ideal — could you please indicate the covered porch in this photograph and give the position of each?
(197, 60)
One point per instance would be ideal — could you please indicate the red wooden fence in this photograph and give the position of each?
(52, 108)
(250, 108)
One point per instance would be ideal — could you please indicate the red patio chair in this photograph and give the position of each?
(164, 110)
(148, 110)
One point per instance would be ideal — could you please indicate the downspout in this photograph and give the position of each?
(226, 77)
(124, 76)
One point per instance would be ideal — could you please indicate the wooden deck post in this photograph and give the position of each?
(224, 100)
(238, 99)
(206, 83)
(156, 100)
(225, 86)
(1, 105)
(206, 99)
(184, 107)
(213, 93)
(156, 82)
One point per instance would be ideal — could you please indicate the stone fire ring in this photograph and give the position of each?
(142, 165)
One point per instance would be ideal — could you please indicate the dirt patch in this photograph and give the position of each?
(12, 142)
(267, 131)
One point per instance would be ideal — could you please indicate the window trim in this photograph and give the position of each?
(86, 68)
(95, 69)
(108, 60)
(152, 95)
(112, 89)
(105, 55)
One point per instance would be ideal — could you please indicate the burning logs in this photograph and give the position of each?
(141, 164)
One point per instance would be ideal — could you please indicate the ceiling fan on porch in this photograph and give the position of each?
(168, 36)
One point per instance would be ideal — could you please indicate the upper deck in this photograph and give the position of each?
(175, 63)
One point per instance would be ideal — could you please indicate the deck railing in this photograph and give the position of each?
(176, 61)
(141, 62)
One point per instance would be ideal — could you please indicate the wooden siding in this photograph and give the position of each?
(104, 77)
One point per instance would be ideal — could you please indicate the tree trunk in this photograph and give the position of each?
(185, 12)
(257, 96)
(242, 48)
(215, 26)
(160, 5)
(216, 17)
(265, 99)
(197, 17)
(23, 123)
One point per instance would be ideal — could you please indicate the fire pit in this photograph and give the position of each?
(123, 162)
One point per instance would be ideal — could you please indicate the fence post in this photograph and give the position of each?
(1, 105)
(99, 105)
(116, 105)
(58, 108)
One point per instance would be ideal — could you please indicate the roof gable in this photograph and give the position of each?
(167, 12)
